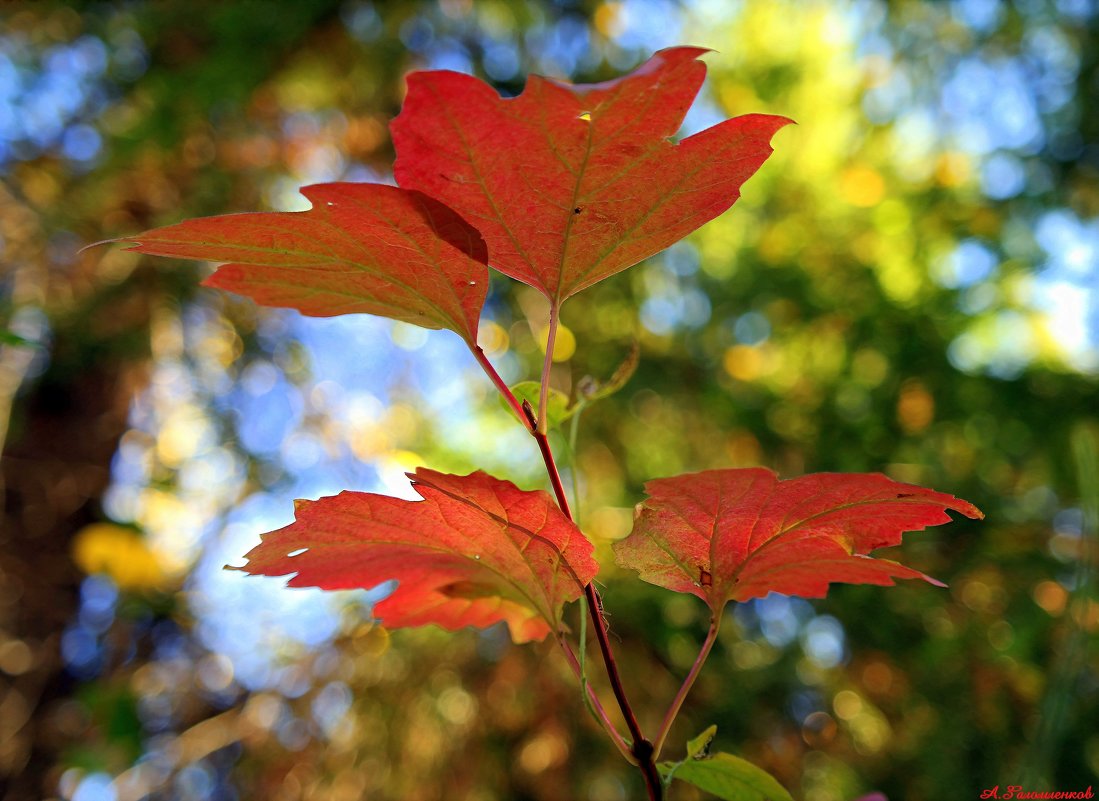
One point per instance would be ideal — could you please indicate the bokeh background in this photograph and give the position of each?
(909, 285)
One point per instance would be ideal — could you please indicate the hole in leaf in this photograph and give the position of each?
(585, 116)
(298, 552)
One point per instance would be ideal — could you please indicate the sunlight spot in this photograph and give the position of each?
(862, 186)
(564, 346)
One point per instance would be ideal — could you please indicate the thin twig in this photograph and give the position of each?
(593, 703)
(680, 697)
(574, 428)
(641, 748)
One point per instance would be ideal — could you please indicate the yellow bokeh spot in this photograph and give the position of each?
(892, 217)
(610, 522)
(953, 169)
(915, 407)
(869, 367)
(847, 704)
(736, 98)
(121, 553)
(368, 441)
(608, 19)
(564, 344)
(1086, 614)
(181, 436)
(493, 339)
(743, 450)
(1051, 596)
(862, 186)
(373, 641)
(898, 278)
(743, 363)
(543, 751)
(402, 460)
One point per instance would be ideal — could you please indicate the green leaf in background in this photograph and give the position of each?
(727, 777)
(699, 747)
(557, 404)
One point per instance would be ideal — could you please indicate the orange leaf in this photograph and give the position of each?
(571, 184)
(739, 534)
(362, 248)
(475, 551)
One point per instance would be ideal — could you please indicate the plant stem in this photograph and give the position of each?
(574, 427)
(498, 382)
(641, 749)
(680, 697)
(543, 395)
(593, 702)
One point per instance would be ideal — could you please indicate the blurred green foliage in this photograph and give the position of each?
(885, 296)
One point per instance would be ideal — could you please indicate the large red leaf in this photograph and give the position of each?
(475, 551)
(571, 184)
(738, 534)
(362, 248)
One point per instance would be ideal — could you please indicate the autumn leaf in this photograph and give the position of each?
(570, 184)
(476, 550)
(362, 248)
(739, 534)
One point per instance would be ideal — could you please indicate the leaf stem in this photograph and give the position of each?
(681, 696)
(592, 700)
(641, 748)
(574, 428)
(543, 395)
(498, 382)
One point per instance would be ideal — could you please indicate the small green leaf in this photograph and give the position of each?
(728, 777)
(9, 338)
(557, 403)
(699, 747)
(591, 390)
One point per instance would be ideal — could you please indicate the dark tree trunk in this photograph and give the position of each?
(55, 467)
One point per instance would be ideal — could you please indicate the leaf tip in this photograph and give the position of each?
(114, 241)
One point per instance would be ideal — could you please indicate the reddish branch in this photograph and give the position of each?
(641, 747)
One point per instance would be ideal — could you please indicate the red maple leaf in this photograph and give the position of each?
(362, 248)
(475, 551)
(739, 534)
(570, 184)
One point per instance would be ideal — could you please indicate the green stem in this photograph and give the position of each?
(547, 364)
(591, 700)
(574, 429)
(681, 696)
